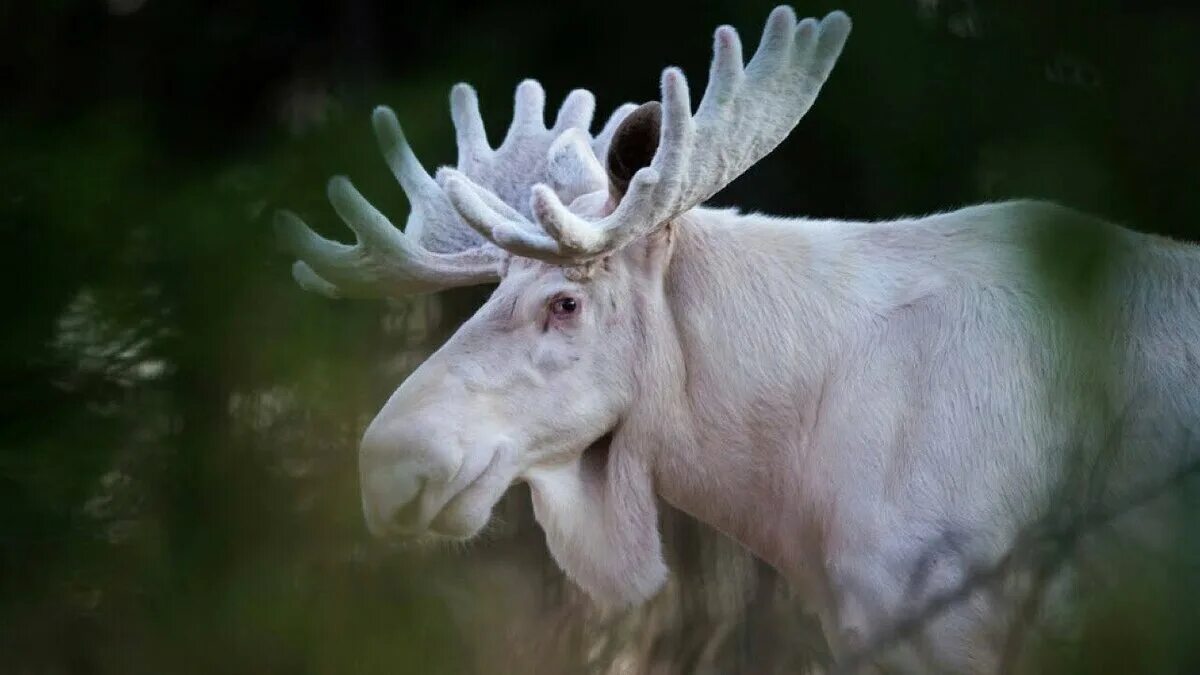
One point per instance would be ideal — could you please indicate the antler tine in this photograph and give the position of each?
(573, 168)
(469, 131)
(441, 245)
(529, 112)
(576, 112)
(494, 219)
(744, 114)
(385, 261)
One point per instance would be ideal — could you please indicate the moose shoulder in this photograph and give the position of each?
(876, 409)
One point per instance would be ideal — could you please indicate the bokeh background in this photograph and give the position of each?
(178, 489)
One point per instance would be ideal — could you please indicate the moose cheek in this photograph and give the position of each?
(554, 359)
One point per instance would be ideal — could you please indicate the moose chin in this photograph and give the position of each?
(875, 408)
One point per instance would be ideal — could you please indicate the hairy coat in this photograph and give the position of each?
(888, 413)
(911, 396)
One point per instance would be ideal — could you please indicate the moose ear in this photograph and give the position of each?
(633, 147)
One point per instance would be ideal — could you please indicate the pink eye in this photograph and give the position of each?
(563, 307)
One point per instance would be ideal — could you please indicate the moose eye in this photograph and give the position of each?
(562, 307)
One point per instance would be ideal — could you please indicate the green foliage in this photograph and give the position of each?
(177, 482)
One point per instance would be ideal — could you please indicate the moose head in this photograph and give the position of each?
(567, 377)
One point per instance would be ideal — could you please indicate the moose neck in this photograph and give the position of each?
(764, 310)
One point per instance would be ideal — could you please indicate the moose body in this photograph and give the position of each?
(879, 410)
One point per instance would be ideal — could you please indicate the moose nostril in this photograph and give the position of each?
(408, 516)
(392, 497)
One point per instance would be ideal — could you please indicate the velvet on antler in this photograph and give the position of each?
(544, 194)
(438, 249)
(745, 113)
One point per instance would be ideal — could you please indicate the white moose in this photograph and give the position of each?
(876, 409)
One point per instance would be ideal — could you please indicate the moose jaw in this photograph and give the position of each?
(874, 408)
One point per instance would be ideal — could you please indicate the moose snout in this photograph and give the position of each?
(401, 466)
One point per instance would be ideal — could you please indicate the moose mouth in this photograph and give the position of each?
(467, 513)
(460, 508)
(454, 508)
(457, 519)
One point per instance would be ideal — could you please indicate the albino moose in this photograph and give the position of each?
(877, 409)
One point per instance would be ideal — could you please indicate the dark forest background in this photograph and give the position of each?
(178, 489)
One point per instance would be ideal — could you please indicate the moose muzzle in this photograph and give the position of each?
(433, 461)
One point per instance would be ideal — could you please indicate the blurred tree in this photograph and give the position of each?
(178, 490)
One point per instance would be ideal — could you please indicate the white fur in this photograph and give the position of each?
(845, 399)
(879, 410)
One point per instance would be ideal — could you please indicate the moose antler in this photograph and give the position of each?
(437, 248)
(745, 113)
